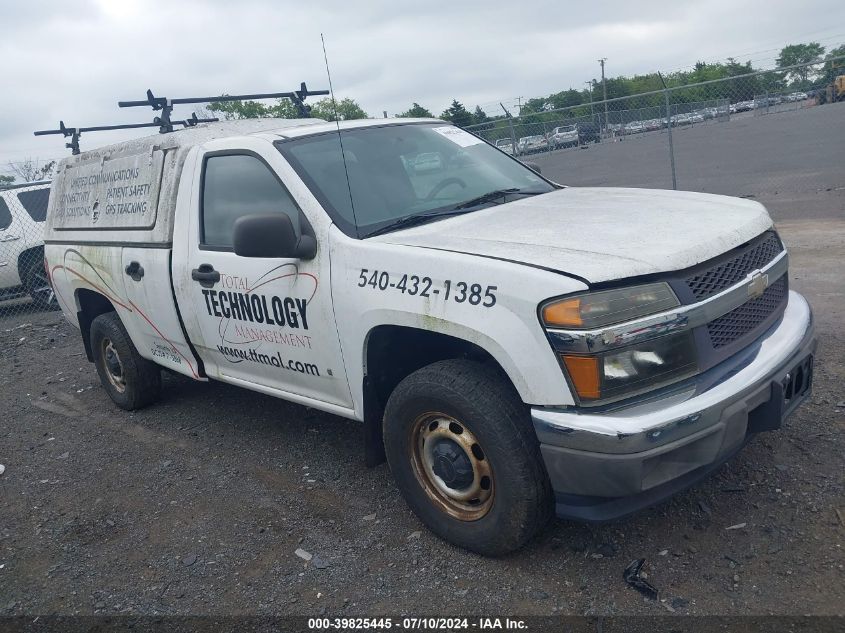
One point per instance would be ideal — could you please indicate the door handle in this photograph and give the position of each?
(206, 275)
(9, 238)
(135, 270)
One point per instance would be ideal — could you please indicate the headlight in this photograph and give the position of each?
(606, 307)
(632, 370)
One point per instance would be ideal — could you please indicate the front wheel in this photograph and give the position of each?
(464, 455)
(131, 381)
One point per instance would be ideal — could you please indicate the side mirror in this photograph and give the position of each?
(533, 167)
(271, 235)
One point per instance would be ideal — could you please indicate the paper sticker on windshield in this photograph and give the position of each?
(458, 136)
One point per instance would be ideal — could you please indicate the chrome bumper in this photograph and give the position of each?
(627, 451)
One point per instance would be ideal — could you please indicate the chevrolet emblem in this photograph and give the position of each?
(757, 286)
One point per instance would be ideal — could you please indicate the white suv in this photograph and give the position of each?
(565, 136)
(23, 209)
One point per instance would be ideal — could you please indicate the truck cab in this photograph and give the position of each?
(513, 347)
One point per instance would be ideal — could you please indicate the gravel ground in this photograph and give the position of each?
(198, 504)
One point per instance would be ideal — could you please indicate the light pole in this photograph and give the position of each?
(590, 87)
(604, 89)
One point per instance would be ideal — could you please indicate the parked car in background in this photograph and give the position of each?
(564, 136)
(654, 124)
(634, 127)
(23, 209)
(506, 145)
(588, 132)
(532, 144)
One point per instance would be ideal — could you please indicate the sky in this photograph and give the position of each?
(74, 59)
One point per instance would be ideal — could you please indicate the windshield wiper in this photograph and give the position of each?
(415, 220)
(490, 196)
(486, 197)
(464, 207)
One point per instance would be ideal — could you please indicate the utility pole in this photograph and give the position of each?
(604, 89)
(592, 114)
(513, 132)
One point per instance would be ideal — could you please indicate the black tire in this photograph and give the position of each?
(131, 381)
(38, 285)
(485, 406)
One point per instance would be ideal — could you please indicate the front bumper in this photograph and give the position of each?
(604, 465)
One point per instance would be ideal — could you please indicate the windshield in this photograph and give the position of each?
(398, 171)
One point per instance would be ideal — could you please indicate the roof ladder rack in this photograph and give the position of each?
(75, 132)
(165, 105)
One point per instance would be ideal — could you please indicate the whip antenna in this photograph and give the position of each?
(339, 135)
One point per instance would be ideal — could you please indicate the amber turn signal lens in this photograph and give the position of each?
(566, 313)
(584, 373)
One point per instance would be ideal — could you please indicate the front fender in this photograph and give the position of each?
(508, 329)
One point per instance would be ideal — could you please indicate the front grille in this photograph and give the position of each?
(727, 273)
(744, 319)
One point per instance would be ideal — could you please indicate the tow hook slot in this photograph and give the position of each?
(786, 394)
(797, 382)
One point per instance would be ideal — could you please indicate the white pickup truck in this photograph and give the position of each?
(515, 347)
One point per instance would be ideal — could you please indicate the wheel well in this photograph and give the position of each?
(394, 352)
(91, 305)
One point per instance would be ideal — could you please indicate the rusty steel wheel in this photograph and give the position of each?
(113, 365)
(451, 466)
(130, 380)
(465, 457)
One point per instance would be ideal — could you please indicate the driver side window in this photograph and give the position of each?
(235, 185)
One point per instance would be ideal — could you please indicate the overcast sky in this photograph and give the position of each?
(74, 59)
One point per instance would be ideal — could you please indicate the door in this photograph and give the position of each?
(10, 247)
(263, 321)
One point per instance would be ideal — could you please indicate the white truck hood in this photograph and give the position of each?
(598, 233)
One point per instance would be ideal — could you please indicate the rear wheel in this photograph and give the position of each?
(131, 381)
(465, 458)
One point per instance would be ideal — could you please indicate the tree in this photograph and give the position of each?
(457, 114)
(239, 109)
(800, 54)
(5, 181)
(31, 169)
(416, 111)
(479, 116)
(347, 110)
(284, 108)
(833, 69)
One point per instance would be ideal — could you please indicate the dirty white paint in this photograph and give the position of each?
(599, 234)
(110, 193)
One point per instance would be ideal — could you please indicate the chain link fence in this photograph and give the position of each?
(24, 283)
(679, 136)
(748, 135)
